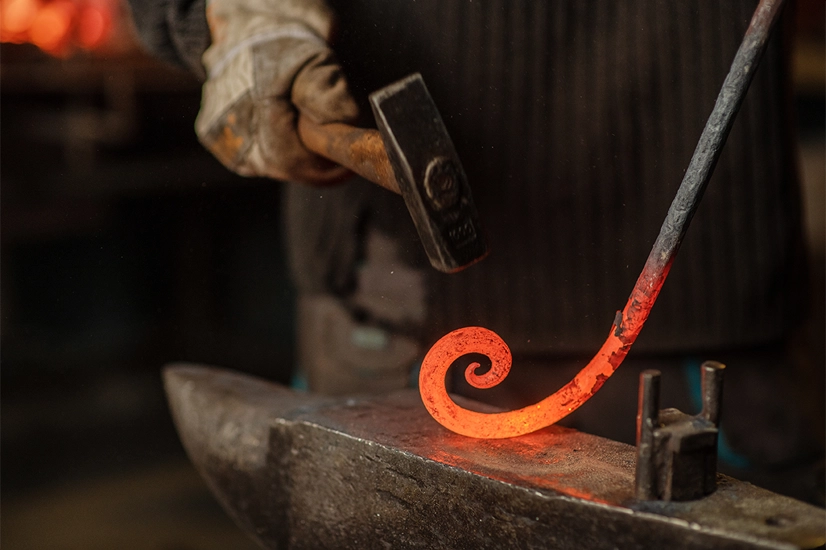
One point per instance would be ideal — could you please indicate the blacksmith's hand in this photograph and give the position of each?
(268, 62)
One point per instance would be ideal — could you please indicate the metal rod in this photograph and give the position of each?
(648, 413)
(630, 320)
(712, 383)
(700, 168)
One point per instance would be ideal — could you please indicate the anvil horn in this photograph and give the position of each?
(225, 421)
(299, 471)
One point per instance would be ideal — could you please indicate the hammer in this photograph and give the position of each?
(411, 153)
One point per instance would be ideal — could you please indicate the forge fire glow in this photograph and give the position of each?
(57, 26)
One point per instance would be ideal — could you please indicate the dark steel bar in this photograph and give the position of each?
(712, 382)
(700, 169)
(648, 412)
(629, 322)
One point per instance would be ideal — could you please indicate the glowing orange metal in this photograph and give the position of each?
(570, 397)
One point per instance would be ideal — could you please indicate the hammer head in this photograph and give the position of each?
(432, 180)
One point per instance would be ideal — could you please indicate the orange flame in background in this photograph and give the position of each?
(57, 27)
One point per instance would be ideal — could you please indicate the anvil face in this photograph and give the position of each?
(299, 471)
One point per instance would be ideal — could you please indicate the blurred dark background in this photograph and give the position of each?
(126, 246)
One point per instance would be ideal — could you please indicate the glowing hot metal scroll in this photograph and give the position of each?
(629, 322)
(551, 409)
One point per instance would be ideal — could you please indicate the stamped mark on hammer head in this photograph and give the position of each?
(429, 173)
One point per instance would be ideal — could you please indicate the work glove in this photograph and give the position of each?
(268, 62)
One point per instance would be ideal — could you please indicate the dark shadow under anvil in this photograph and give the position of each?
(300, 471)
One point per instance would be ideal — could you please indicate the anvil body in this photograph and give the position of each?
(300, 471)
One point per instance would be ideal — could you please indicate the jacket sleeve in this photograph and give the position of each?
(173, 30)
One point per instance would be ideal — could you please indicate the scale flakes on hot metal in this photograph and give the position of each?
(500, 425)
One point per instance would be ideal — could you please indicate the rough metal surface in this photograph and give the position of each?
(676, 452)
(297, 471)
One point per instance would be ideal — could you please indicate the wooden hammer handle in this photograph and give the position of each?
(357, 149)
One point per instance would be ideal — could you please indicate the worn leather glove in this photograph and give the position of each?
(268, 62)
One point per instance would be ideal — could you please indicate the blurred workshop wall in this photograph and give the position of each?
(124, 246)
(809, 80)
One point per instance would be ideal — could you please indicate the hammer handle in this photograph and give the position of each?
(361, 151)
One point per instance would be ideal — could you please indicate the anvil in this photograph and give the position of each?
(296, 470)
